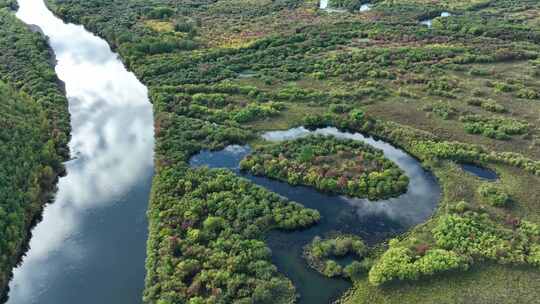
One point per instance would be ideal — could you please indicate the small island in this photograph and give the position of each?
(320, 254)
(329, 164)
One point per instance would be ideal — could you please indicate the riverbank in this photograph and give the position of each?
(373, 220)
(35, 130)
(102, 200)
(279, 65)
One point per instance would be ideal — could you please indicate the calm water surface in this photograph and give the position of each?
(90, 245)
(481, 172)
(373, 221)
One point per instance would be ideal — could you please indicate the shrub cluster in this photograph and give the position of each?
(462, 152)
(320, 251)
(400, 263)
(329, 164)
(494, 127)
(494, 195)
(480, 237)
(461, 239)
(345, 4)
(442, 109)
(487, 104)
(206, 239)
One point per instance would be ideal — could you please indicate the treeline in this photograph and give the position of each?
(34, 130)
(206, 239)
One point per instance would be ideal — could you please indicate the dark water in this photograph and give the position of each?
(373, 221)
(90, 246)
(480, 172)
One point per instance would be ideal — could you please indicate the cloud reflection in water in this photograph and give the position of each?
(112, 145)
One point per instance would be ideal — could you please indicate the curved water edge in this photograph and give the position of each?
(90, 246)
(429, 22)
(374, 221)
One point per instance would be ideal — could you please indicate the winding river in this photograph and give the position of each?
(90, 246)
(373, 221)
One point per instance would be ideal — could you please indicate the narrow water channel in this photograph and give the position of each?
(90, 245)
(374, 221)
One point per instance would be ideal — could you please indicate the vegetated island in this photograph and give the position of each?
(329, 164)
(321, 254)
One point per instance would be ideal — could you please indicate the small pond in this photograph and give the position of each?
(481, 172)
(373, 221)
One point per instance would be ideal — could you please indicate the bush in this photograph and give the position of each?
(398, 263)
(503, 87)
(356, 269)
(345, 4)
(461, 207)
(160, 12)
(476, 235)
(442, 109)
(493, 195)
(395, 263)
(528, 94)
(319, 252)
(340, 108)
(494, 127)
(488, 105)
(332, 269)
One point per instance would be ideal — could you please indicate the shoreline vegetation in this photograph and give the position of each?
(34, 132)
(321, 253)
(276, 64)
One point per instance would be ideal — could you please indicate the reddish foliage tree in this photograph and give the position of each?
(343, 182)
(421, 249)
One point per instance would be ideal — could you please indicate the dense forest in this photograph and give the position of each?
(464, 89)
(34, 131)
(331, 165)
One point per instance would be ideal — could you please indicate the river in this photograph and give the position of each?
(374, 221)
(90, 246)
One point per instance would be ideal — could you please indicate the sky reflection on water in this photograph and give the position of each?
(408, 209)
(374, 221)
(90, 246)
